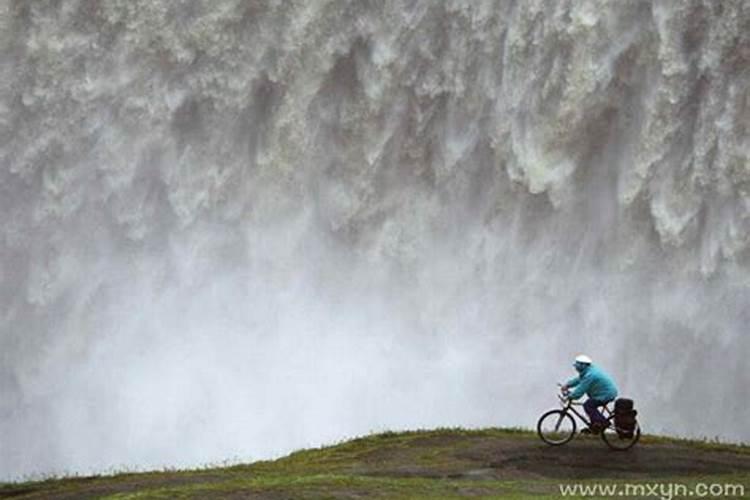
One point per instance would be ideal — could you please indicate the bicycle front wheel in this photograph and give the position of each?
(556, 427)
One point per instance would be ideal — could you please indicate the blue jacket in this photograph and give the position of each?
(595, 383)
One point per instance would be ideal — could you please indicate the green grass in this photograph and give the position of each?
(441, 463)
(709, 444)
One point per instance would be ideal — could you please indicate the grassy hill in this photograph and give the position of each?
(444, 463)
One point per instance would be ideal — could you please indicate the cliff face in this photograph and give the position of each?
(226, 204)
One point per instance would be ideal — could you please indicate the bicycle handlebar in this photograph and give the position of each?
(566, 401)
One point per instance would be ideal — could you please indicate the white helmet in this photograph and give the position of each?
(582, 358)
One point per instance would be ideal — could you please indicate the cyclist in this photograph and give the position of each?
(595, 383)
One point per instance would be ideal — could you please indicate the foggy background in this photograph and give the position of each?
(231, 229)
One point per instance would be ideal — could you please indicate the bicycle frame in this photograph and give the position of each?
(568, 407)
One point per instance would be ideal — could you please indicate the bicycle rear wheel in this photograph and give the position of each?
(619, 441)
(556, 427)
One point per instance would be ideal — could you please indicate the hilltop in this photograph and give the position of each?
(443, 463)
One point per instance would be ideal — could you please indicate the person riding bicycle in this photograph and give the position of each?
(595, 383)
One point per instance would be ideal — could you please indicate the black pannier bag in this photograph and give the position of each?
(625, 417)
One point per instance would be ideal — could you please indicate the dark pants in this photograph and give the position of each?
(592, 410)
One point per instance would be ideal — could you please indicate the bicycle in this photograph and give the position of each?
(558, 427)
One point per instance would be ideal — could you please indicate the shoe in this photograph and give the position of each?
(596, 428)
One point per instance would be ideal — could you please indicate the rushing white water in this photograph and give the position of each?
(235, 228)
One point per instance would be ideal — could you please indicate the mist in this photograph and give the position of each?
(233, 229)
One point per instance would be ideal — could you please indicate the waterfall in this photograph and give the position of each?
(234, 228)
